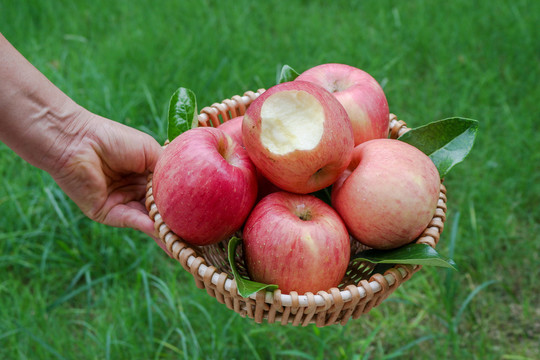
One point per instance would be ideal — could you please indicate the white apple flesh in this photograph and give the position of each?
(299, 136)
(359, 93)
(204, 186)
(297, 242)
(388, 195)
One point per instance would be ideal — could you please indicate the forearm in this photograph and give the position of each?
(36, 118)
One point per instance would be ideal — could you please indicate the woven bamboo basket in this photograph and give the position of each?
(360, 290)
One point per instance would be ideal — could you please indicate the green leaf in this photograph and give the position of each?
(287, 74)
(413, 254)
(447, 142)
(245, 287)
(182, 112)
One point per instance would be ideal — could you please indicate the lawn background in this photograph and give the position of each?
(71, 288)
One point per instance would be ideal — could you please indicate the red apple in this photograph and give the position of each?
(359, 93)
(299, 136)
(389, 193)
(204, 186)
(233, 128)
(297, 242)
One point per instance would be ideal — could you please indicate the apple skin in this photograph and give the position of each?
(359, 93)
(204, 186)
(301, 170)
(299, 255)
(388, 195)
(233, 128)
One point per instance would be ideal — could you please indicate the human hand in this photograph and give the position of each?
(103, 169)
(100, 164)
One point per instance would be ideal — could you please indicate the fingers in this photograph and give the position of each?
(133, 215)
(126, 150)
(152, 151)
(118, 158)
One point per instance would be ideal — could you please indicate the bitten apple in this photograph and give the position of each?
(204, 186)
(299, 136)
(389, 193)
(359, 93)
(297, 242)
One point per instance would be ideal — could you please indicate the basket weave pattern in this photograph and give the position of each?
(358, 293)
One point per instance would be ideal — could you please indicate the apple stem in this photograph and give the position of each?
(303, 213)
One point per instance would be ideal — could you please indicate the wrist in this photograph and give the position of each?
(63, 128)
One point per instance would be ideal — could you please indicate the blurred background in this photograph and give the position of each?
(71, 288)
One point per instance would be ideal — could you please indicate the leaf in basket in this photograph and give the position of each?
(447, 142)
(245, 287)
(182, 112)
(413, 254)
(287, 74)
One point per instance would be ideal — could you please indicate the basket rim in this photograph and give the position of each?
(379, 285)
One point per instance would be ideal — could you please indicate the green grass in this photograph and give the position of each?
(71, 288)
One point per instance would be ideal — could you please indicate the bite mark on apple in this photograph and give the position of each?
(291, 120)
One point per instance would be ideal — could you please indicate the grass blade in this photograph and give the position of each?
(401, 351)
(43, 344)
(295, 353)
(148, 299)
(70, 295)
(251, 347)
(467, 301)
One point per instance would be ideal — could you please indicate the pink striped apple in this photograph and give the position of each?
(389, 193)
(297, 242)
(359, 93)
(204, 186)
